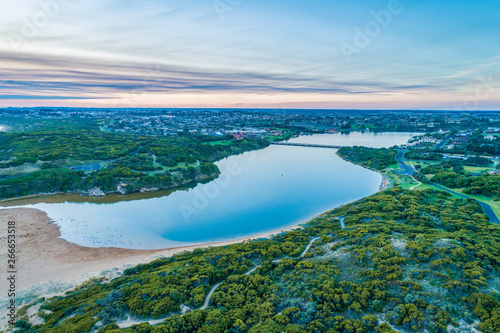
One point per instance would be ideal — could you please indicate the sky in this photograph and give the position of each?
(365, 54)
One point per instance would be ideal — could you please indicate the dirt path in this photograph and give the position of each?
(415, 186)
(130, 322)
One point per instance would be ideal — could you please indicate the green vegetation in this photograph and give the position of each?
(417, 260)
(454, 175)
(407, 261)
(371, 158)
(476, 170)
(495, 205)
(486, 185)
(41, 161)
(478, 144)
(424, 156)
(222, 143)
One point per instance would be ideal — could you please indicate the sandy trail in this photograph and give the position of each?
(130, 322)
(415, 186)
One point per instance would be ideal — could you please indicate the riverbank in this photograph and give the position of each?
(98, 193)
(385, 182)
(43, 256)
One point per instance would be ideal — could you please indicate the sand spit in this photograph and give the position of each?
(43, 256)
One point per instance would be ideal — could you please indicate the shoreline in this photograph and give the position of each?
(385, 182)
(86, 196)
(176, 187)
(31, 196)
(43, 256)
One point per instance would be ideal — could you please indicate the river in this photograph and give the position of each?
(257, 192)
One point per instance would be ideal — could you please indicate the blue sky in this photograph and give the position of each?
(241, 53)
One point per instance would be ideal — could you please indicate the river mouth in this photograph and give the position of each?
(257, 192)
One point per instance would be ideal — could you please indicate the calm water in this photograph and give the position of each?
(257, 192)
(374, 140)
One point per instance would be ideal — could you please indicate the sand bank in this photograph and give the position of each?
(385, 182)
(43, 256)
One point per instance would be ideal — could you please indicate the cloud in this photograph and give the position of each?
(474, 70)
(29, 75)
(41, 97)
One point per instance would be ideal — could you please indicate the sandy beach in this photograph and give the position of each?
(385, 182)
(43, 256)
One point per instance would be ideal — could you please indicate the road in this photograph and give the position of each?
(487, 208)
(441, 144)
(409, 171)
(406, 169)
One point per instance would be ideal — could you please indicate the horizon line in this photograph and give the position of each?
(239, 108)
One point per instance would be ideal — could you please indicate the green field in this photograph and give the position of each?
(422, 162)
(407, 183)
(394, 166)
(220, 143)
(472, 169)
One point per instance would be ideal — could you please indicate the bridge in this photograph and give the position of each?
(314, 145)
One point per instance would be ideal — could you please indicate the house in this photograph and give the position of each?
(491, 130)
